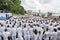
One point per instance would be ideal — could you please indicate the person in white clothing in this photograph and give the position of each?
(39, 36)
(13, 32)
(5, 34)
(46, 35)
(20, 37)
(54, 35)
(35, 34)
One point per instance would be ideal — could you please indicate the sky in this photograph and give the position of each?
(42, 5)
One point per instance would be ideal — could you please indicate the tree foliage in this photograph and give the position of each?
(12, 6)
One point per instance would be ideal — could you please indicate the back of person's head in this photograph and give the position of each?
(58, 28)
(46, 23)
(13, 26)
(41, 22)
(38, 25)
(34, 24)
(39, 32)
(10, 22)
(31, 26)
(5, 30)
(55, 30)
(6, 22)
(55, 25)
(1, 25)
(51, 24)
(25, 26)
(35, 32)
(7, 25)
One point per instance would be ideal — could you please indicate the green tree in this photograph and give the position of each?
(12, 6)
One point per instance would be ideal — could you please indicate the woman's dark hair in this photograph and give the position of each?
(55, 30)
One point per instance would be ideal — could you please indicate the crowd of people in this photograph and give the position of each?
(30, 28)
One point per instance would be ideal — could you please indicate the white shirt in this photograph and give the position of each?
(13, 31)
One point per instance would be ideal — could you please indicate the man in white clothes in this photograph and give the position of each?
(40, 33)
(27, 36)
(46, 35)
(13, 32)
(27, 33)
(54, 35)
(5, 34)
(19, 31)
(35, 35)
(58, 34)
(20, 37)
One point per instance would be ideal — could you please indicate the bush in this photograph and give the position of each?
(59, 16)
(43, 15)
